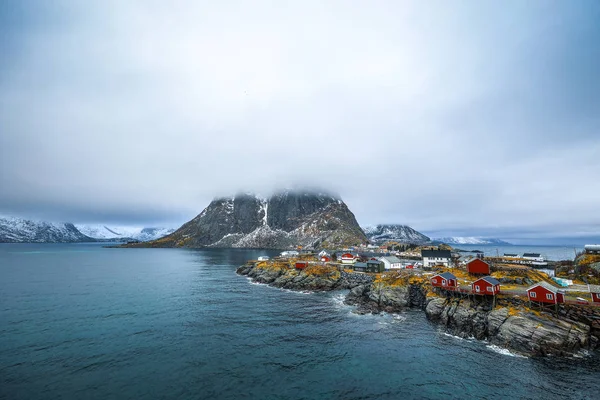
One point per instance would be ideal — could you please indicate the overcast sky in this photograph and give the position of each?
(455, 117)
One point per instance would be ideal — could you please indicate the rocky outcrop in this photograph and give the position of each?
(525, 332)
(325, 279)
(286, 219)
(375, 298)
(509, 325)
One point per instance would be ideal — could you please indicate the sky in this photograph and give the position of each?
(458, 118)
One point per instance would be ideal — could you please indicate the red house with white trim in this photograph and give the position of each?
(478, 266)
(325, 259)
(595, 292)
(543, 292)
(444, 281)
(348, 258)
(486, 285)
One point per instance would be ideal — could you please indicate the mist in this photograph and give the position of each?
(474, 119)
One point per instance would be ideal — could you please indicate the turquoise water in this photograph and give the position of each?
(84, 322)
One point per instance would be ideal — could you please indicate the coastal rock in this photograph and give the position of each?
(375, 298)
(526, 333)
(535, 335)
(307, 280)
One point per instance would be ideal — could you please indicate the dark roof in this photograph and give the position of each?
(436, 253)
(510, 255)
(531, 255)
(374, 262)
(490, 279)
(448, 275)
(360, 265)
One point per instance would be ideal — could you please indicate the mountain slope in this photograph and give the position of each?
(471, 240)
(396, 233)
(17, 230)
(286, 219)
(103, 232)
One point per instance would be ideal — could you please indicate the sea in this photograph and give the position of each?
(80, 321)
(551, 253)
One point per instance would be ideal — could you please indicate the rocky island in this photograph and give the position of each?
(511, 324)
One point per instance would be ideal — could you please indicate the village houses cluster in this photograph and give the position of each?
(483, 284)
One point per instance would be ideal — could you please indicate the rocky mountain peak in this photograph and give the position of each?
(285, 219)
(397, 233)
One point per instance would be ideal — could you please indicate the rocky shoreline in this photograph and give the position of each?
(510, 326)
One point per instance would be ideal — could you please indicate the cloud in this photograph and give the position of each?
(473, 119)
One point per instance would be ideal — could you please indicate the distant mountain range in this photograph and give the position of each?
(396, 233)
(104, 232)
(18, 230)
(458, 240)
(284, 220)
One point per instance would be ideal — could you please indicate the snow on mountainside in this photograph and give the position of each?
(471, 240)
(396, 233)
(284, 220)
(17, 230)
(104, 232)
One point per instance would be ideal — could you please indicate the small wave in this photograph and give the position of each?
(338, 300)
(398, 317)
(503, 351)
(582, 354)
(255, 283)
(469, 339)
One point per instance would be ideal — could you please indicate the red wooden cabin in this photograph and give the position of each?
(301, 264)
(486, 285)
(325, 259)
(445, 281)
(595, 292)
(543, 292)
(478, 266)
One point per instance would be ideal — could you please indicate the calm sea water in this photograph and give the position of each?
(554, 253)
(84, 322)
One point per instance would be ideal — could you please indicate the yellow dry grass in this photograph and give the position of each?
(587, 259)
(322, 270)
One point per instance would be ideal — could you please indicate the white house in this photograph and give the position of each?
(323, 253)
(432, 258)
(263, 258)
(391, 262)
(289, 253)
(348, 258)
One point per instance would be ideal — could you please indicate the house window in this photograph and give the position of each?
(477, 288)
(443, 282)
(549, 296)
(532, 295)
(434, 280)
(490, 289)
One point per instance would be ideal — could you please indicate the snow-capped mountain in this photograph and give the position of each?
(17, 230)
(104, 232)
(471, 240)
(396, 233)
(286, 219)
